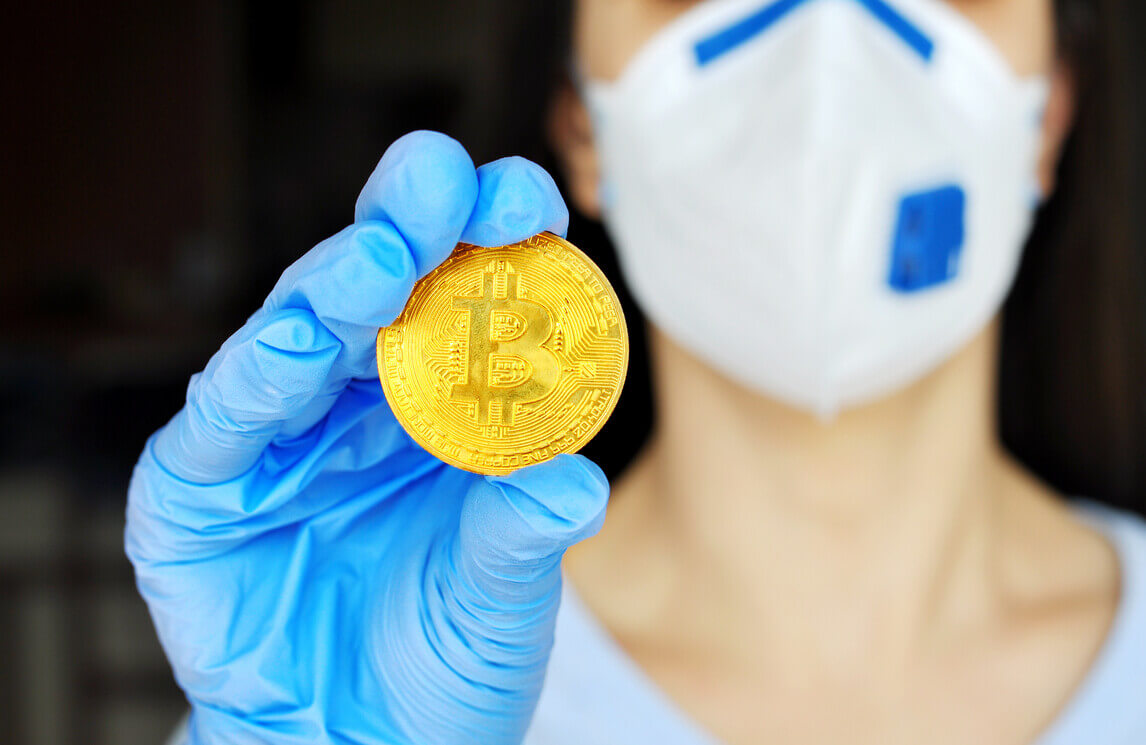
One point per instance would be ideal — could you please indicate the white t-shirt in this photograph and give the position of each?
(595, 694)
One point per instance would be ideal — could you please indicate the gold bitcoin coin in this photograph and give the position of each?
(506, 356)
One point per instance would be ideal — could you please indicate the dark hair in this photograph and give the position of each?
(1072, 377)
(1072, 383)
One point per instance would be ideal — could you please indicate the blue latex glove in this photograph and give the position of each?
(314, 575)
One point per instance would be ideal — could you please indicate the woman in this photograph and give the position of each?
(820, 205)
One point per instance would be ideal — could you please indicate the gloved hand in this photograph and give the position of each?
(314, 575)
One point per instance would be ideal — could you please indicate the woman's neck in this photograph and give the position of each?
(882, 519)
(884, 573)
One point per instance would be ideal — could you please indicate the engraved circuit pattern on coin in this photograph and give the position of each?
(506, 356)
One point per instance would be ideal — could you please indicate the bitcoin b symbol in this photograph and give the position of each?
(506, 364)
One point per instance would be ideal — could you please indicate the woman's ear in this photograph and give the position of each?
(570, 133)
(1057, 123)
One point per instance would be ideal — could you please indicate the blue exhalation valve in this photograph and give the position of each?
(929, 235)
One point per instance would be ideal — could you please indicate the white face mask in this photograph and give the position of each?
(823, 199)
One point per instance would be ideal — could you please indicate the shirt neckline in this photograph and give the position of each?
(1121, 656)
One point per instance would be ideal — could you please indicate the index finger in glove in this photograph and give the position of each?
(317, 329)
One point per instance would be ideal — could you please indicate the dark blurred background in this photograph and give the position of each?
(162, 163)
